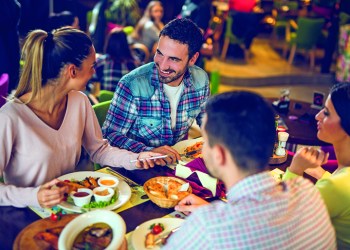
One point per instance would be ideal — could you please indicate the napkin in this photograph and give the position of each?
(196, 173)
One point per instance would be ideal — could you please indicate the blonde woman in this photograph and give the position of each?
(44, 127)
(148, 28)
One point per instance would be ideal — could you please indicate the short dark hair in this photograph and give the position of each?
(186, 32)
(244, 123)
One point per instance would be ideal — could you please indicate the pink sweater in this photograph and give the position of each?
(32, 153)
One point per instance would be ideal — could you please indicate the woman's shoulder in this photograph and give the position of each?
(13, 111)
(338, 181)
(77, 96)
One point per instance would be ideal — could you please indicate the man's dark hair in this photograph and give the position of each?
(244, 123)
(186, 32)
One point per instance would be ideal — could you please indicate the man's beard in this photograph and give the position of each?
(170, 79)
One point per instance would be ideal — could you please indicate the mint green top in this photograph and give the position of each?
(335, 190)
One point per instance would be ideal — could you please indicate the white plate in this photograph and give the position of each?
(138, 237)
(124, 191)
(182, 145)
(74, 227)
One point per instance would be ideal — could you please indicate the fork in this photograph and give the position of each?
(163, 238)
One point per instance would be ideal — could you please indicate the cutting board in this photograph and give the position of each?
(25, 239)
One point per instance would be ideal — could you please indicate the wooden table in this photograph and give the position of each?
(13, 220)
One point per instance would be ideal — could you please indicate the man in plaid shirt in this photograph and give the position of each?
(155, 105)
(260, 213)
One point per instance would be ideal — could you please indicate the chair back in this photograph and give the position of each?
(228, 32)
(105, 95)
(101, 110)
(4, 86)
(308, 32)
(228, 29)
(292, 5)
(141, 52)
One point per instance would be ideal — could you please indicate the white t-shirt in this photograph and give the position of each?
(173, 94)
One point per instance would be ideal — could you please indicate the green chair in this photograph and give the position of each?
(101, 110)
(280, 19)
(105, 95)
(230, 38)
(308, 31)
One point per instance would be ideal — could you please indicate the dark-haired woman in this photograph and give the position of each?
(43, 128)
(333, 127)
(116, 61)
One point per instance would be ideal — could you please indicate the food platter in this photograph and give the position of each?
(123, 187)
(25, 239)
(139, 235)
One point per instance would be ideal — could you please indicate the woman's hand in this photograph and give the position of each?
(190, 203)
(48, 196)
(307, 157)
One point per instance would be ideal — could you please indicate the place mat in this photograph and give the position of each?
(138, 196)
(25, 239)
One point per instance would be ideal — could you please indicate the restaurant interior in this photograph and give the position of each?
(272, 65)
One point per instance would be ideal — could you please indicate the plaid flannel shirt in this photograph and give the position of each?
(109, 72)
(139, 116)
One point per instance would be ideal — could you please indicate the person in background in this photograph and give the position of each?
(160, 99)
(44, 127)
(148, 28)
(116, 61)
(260, 213)
(245, 21)
(9, 41)
(333, 127)
(246, 6)
(198, 11)
(64, 18)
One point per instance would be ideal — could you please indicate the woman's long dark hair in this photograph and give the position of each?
(117, 46)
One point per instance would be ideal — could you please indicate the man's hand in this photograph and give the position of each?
(48, 196)
(148, 163)
(173, 155)
(307, 157)
(190, 203)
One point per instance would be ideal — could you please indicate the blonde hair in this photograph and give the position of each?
(46, 53)
(145, 18)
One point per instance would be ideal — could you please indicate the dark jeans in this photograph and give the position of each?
(245, 26)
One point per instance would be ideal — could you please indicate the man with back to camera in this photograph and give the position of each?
(155, 105)
(260, 213)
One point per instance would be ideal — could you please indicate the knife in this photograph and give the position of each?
(190, 153)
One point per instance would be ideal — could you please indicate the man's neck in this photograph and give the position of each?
(233, 177)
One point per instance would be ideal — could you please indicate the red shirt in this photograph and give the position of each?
(242, 5)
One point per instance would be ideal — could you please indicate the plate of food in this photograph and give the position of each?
(189, 149)
(88, 179)
(150, 232)
(93, 230)
(42, 234)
